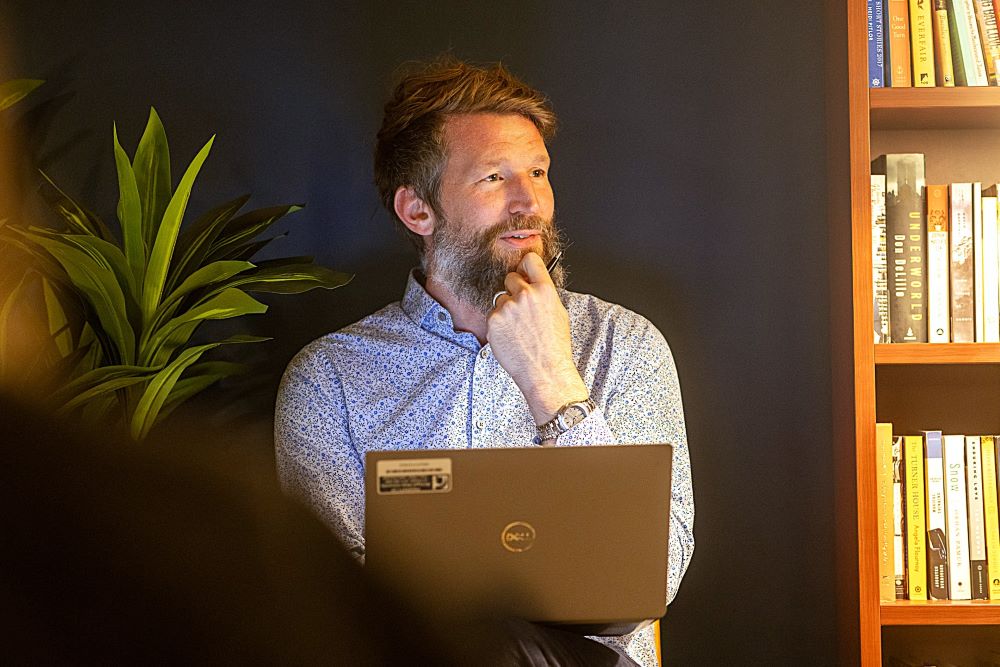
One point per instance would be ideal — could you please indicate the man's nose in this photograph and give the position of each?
(524, 197)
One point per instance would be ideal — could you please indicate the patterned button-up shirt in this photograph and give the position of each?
(403, 378)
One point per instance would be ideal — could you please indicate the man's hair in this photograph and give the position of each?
(410, 148)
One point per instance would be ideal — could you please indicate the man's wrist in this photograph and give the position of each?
(566, 417)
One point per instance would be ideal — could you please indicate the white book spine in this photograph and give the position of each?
(938, 299)
(977, 521)
(962, 273)
(937, 564)
(957, 518)
(991, 272)
(976, 74)
(977, 249)
(880, 267)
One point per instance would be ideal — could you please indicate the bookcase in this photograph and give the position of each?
(952, 387)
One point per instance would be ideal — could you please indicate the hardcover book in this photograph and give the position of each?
(942, 45)
(977, 253)
(991, 516)
(916, 525)
(899, 516)
(937, 551)
(966, 47)
(898, 20)
(880, 276)
(886, 531)
(987, 20)
(991, 268)
(957, 517)
(977, 523)
(938, 261)
(963, 296)
(921, 44)
(906, 235)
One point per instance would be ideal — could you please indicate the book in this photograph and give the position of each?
(899, 517)
(942, 45)
(880, 280)
(977, 256)
(991, 515)
(963, 298)
(886, 532)
(991, 268)
(979, 581)
(916, 527)
(938, 261)
(906, 235)
(876, 44)
(922, 44)
(966, 47)
(957, 517)
(937, 548)
(986, 18)
(898, 42)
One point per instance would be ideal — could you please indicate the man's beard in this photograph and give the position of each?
(474, 267)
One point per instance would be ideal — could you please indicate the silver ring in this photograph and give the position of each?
(498, 295)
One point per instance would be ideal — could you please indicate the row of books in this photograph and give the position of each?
(935, 256)
(939, 529)
(927, 43)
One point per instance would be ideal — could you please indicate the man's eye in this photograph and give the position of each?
(538, 173)
(492, 178)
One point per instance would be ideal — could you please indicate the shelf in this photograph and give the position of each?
(960, 107)
(940, 612)
(937, 353)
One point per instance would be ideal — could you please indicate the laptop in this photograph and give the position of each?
(574, 537)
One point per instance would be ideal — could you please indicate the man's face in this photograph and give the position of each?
(496, 205)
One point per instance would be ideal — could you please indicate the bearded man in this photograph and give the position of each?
(485, 349)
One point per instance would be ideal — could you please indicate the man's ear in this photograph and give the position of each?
(415, 213)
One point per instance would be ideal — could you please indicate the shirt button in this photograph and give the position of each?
(480, 424)
(484, 353)
(442, 316)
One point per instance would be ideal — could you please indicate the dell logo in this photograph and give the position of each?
(517, 536)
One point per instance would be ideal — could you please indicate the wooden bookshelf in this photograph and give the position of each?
(959, 129)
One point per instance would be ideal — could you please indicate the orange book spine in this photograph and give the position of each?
(898, 21)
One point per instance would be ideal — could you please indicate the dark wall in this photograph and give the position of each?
(689, 174)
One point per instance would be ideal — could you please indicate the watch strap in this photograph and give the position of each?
(558, 425)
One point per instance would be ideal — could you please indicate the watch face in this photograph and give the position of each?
(573, 415)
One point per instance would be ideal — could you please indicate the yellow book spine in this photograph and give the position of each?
(886, 531)
(991, 514)
(921, 44)
(916, 529)
(942, 45)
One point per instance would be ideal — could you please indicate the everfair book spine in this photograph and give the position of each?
(957, 517)
(906, 234)
(991, 515)
(937, 552)
(876, 44)
(943, 62)
(898, 20)
(916, 524)
(979, 581)
(921, 44)
(991, 270)
(880, 277)
(938, 260)
(886, 533)
(899, 516)
(987, 20)
(963, 298)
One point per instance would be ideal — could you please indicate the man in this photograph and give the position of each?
(485, 349)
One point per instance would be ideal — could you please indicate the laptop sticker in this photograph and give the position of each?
(397, 476)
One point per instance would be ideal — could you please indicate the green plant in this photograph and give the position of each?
(123, 313)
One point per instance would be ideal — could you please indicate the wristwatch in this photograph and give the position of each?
(566, 418)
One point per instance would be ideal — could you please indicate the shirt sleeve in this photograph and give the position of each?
(640, 403)
(316, 459)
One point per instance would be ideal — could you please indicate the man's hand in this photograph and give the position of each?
(529, 333)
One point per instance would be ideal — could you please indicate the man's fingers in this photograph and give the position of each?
(533, 268)
(514, 283)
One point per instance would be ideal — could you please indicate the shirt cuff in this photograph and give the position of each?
(593, 430)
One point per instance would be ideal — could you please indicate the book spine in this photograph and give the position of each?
(876, 45)
(937, 552)
(977, 65)
(880, 277)
(979, 581)
(886, 536)
(963, 298)
(991, 515)
(991, 272)
(957, 517)
(942, 45)
(916, 525)
(897, 19)
(977, 251)
(921, 44)
(899, 516)
(987, 19)
(906, 234)
(938, 297)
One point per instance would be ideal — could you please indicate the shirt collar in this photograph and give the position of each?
(429, 315)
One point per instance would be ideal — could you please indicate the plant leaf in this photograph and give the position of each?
(98, 390)
(195, 241)
(245, 228)
(58, 322)
(206, 275)
(200, 376)
(79, 219)
(6, 323)
(160, 387)
(13, 91)
(152, 176)
(229, 303)
(280, 278)
(129, 212)
(166, 236)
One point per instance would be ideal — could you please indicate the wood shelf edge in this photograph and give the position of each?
(937, 353)
(940, 612)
